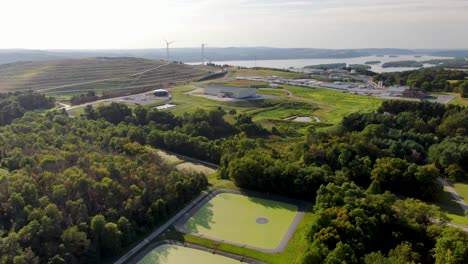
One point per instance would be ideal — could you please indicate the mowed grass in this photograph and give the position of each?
(330, 106)
(285, 109)
(272, 91)
(173, 254)
(186, 103)
(333, 105)
(462, 189)
(241, 83)
(298, 243)
(460, 100)
(454, 211)
(265, 72)
(233, 218)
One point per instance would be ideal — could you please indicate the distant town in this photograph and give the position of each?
(350, 82)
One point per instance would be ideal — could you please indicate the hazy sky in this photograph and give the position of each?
(119, 24)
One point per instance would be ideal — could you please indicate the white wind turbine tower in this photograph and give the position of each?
(203, 52)
(167, 48)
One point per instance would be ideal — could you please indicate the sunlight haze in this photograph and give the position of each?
(118, 24)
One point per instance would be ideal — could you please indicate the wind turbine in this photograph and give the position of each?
(203, 52)
(167, 48)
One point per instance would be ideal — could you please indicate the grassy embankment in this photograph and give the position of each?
(102, 75)
(330, 106)
(449, 205)
(265, 72)
(460, 100)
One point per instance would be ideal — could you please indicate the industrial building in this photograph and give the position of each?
(231, 91)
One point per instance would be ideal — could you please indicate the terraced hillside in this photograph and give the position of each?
(98, 74)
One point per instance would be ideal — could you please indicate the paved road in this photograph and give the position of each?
(454, 194)
(161, 229)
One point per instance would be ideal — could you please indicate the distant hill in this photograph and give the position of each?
(97, 74)
(218, 54)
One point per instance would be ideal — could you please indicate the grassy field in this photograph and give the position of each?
(333, 105)
(272, 91)
(173, 254)
(460, 100)
(298, 243)
(97, 74)
(235, 218)
(286, 108)
(264, 72)
(242, 83)
(454, 211)
(188, 103)
(330, 106)
(462, 189)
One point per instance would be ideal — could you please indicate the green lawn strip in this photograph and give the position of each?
(76, 112)
(266, 72)
(333, 105)
(460, 100)
(241, 83)
(285, 110)
(188, 103)
(271, 91)
(462, 189)
(449, 205)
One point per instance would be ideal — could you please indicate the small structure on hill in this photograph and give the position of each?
(231, 91)
(161, 93)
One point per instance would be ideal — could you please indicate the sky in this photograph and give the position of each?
(135, 24)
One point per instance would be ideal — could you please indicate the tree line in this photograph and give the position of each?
(428, 79)
(355, 226)
(14, 105)
(200, 134)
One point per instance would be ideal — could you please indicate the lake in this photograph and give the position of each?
(300, 63)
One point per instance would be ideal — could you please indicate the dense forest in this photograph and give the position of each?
(78, 190)
(14, 105)
(353, 173)
(429, 79)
